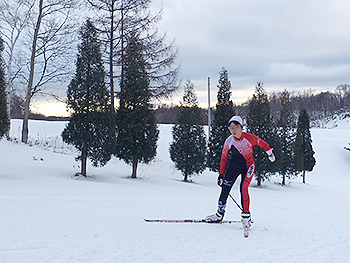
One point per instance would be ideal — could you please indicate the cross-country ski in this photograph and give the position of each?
(200, 221)
(191, 221)
(246, 231)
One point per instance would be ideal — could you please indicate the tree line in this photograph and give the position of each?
(141, 65)
(290, 139)
(131, 133)
(40, 39)
(319, 105)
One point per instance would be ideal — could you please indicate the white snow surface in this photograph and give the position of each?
(48, 216)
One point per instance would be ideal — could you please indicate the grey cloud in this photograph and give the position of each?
(283, 43)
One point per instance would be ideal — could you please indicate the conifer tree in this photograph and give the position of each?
(259, 123)
(304, 154)
(188, 148)
(137, 132)
(92, 126)
(219, 132)
(286, 134)
(4, 118)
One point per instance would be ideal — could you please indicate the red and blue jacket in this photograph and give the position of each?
(244, 148)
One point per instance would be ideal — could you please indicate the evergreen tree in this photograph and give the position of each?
(188, 149)
(92, 126)
(286, 134)
(4, 118)
(304, 154)
(137, 132)
(219, 132)
(259, 123)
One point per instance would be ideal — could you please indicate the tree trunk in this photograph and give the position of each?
(185, 177)
(134, 168)
(83, 161)
(31, 76)
(111, 49)
(283, 179)
(304, 177)
(25, 128)
(258, 180)
(9, 86)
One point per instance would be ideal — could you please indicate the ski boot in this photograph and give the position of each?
(217, 217)
(247, 222)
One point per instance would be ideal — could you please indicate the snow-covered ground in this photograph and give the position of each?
(47, 216)
(341, 121)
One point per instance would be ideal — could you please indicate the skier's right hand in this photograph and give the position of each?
(220, 179)
(271, 156)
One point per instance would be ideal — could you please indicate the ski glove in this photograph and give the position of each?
(271, 156)
(220, 179)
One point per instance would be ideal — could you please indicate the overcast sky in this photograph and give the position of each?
(286, 44)
(293, 45)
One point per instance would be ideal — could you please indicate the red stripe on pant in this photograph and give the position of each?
(245, 199)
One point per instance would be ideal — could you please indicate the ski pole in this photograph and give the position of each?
(236, 202)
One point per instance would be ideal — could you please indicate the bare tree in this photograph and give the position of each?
(116, 19)
(161, 59)
(343, 94)
(50, 48)
(15, 17)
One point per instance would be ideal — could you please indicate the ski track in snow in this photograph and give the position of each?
(47, 216)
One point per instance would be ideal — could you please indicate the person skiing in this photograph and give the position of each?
(237, 159)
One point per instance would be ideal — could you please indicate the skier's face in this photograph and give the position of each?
(236, 130)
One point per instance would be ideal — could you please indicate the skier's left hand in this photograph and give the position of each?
(271, 156)
(220, 179)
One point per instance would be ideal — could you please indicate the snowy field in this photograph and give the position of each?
(48, 216)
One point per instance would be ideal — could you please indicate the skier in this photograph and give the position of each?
(237, 159)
